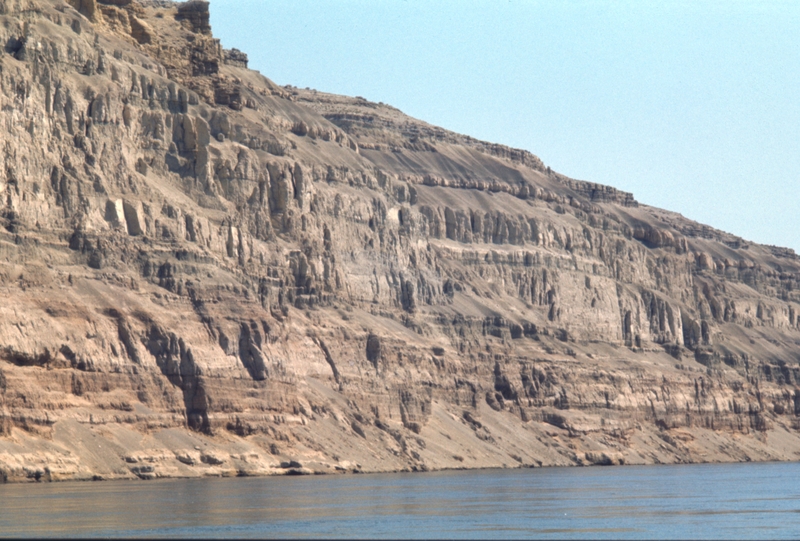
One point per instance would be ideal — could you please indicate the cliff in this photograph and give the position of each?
(204, 273)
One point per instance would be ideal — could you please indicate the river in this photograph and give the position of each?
(734, 501)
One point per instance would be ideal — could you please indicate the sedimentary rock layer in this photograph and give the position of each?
(204, 273)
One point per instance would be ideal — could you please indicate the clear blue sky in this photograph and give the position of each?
(693, 106)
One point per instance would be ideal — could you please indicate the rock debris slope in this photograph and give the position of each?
(204, 273)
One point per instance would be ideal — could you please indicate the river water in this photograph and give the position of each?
(732, 501)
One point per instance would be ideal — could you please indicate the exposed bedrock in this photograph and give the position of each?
(209, 274)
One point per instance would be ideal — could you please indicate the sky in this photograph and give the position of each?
(693, 106)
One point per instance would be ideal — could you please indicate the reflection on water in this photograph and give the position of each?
(700, 501)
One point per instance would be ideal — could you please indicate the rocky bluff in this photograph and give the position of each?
(204, 273)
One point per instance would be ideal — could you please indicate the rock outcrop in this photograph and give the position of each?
(204, 273)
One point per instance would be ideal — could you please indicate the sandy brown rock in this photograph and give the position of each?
(203, 273)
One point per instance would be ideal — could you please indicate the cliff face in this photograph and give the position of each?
(203, 273)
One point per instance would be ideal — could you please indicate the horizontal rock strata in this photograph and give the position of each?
(204, 273)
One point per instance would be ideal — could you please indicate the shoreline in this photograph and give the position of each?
(306, 472)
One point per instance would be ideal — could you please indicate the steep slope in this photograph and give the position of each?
(203, 273)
